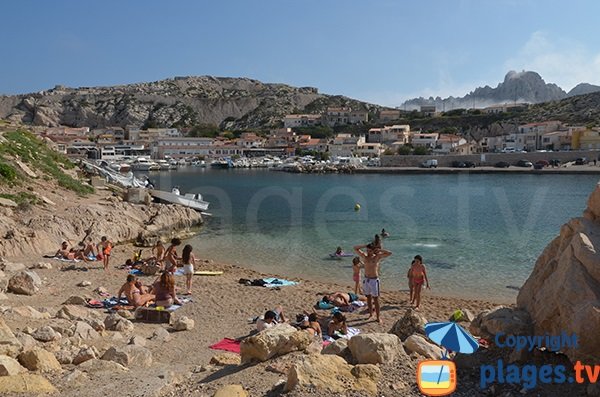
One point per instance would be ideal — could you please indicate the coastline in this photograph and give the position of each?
(573, 170)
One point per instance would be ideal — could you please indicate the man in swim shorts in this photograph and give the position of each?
(371, 259)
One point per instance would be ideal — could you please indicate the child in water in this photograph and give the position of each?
(356, 265)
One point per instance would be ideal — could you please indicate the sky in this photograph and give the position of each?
(380, 51)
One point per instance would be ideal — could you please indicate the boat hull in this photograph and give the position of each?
(198, 205)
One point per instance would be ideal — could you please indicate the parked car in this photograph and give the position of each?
(502, 164)
(524, 163)
(459, 164)
(432, 163)
(542, 163)
(470, 164)
(555, 162)
(581, 161)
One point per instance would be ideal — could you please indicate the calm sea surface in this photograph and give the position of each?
(479, 235)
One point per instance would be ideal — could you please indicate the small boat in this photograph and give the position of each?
(199, 163)
(163, 165)
(144, 164)
(222, 163)
(189, 200)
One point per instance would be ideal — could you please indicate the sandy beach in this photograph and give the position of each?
(221, 308)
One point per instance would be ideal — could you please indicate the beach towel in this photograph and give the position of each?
(208, 273)
(227, 344)
(272, 282)
(178, 272)
(136, 272)
(109, 303)
(66, 260)
(351, 332)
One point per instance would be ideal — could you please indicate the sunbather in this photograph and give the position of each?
(270, 319)
(310, 323)
(337, 324)
(164, 290)
(341, 299)
(137, 295)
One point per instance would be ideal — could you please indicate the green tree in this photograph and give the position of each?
(421, 151)
(204, 130)
(404, 150)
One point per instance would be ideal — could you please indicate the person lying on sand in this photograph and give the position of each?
(270, 319)
(341, 299)
(310, 324)
(137, 295)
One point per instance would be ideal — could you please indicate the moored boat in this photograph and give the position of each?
(190, 200)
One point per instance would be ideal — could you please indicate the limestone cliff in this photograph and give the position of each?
(233, 103)
(563, 291)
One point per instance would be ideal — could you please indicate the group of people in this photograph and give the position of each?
(308, 322)
(87, 251)
(161, 292)
(169, 260)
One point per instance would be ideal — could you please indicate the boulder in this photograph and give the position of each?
(377, 348)
(4, 202)
(114, 322)
(72, 312)
(29, 312)
(75, 376)
(38, 359)
(224, 359)
(42, 265)
(45, 334)
(27, 341)
(85, 354)
(84, 331)
(64, 356)
(272, 342)
(26, 282)
(84, 283)
(161, 335)
(129, 355)
(419, 344)
(9, 366)
(95, 366)
(562, 292)
(96, 324)
(231, 391)
(338, 347)
(10, 267)
(25, 383)
(137, 340)
(330, 374)
(183, 324)
(127, 314)
(503, 319)
(411, 323)
(9, 345)
(75, 300)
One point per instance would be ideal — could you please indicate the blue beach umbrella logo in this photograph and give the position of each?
(451, 336)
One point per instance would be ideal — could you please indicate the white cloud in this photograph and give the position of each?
(561, 61)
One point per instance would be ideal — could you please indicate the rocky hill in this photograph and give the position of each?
(233, 103)
(522, 87)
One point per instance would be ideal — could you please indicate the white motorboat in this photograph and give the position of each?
(163, 165)
(199, 163)
(144, 164)
(189, 200)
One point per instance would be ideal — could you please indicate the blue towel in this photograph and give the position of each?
(272, 282)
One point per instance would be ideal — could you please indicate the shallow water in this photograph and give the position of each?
(479, 234)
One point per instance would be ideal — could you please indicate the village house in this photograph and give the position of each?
(505, 107)
(344, 145)
(389, 134)
(389, 115)
(428, 110)
(344, 115)
(583, 139)
(178, 148)
(250, 140)
(447, 143)
(301, 120)
(368, 149)
(315, 144)
(427, 140)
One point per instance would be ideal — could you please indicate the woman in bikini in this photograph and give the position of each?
(171, 256)
(105, 247)
(418, 275)
(135, 293)
(311, 325)
(337, 324)
(164, 290)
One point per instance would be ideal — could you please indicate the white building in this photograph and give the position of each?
(427, 140)
(389, 134)
(345, 145)
(301, 120)
(182, 147)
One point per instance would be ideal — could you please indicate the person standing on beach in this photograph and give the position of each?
(171, 256)
(356, 265)
(158, 251)
(419, 277)
(189, 261)
(104, 249)
(411, 285)
(371, 259)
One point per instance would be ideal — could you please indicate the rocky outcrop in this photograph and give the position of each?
(38, 359)
(129, 355)
(26, 282)
(376, 348)
(502, 319)
(233, 103)
(418, 344)
(40, 232)
(9, 366)
(272, 342)
(9, 344)
(562, 294)
(25, 383)
(231, 391)
(412, 322)
(332, 374)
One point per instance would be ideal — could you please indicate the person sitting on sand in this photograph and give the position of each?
(137, 295)
(63, 251)
(171, 256)
(164, 290)
(341, 299)
(270, 319)
(89, 249)
(71, 254)
(310, 324)
(337, 324)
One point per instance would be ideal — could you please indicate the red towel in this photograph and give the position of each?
(230, 345)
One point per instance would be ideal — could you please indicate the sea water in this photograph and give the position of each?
(479, 235)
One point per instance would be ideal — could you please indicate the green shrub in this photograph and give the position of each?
(7, 172)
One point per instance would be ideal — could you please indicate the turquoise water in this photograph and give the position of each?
(479, 234)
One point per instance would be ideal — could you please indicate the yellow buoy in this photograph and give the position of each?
(356, 207)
